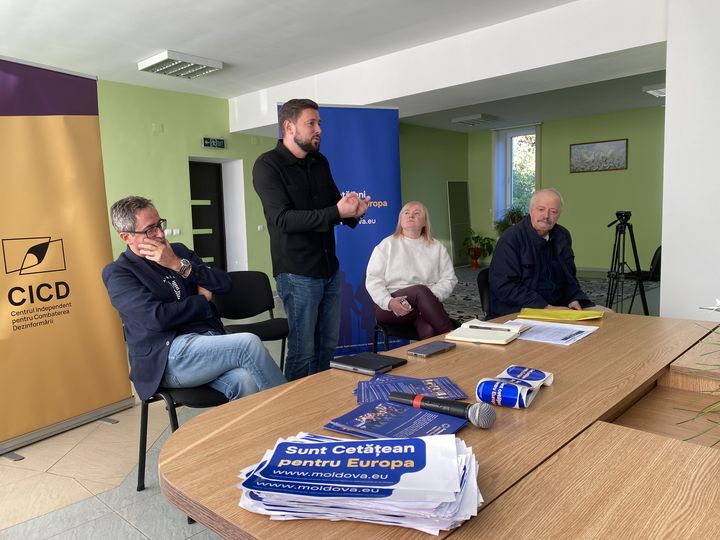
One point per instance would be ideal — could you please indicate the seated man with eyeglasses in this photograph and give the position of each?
(162, 292)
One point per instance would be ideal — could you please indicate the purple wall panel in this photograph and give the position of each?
(33, 91)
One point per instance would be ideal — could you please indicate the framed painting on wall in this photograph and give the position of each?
(599, 156)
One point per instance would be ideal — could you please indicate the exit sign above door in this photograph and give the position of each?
(210, 142)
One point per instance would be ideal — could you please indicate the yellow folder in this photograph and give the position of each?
(560, 314)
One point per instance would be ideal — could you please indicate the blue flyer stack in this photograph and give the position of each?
(424, 483)
(377, 417)
(380, 386)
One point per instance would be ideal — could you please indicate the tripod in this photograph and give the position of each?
(616, 275)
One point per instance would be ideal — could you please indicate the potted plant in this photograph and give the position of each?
(478, 247)
(512, 215)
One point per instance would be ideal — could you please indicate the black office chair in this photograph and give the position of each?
(198, 397)
(252, 295)
(483, 283)
(653, 274)
(403, 331)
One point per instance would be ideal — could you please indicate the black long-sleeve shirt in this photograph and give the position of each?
(299, 198)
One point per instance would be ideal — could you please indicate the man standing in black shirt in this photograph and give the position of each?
(302, 205)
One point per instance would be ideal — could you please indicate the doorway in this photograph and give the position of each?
(208, 217)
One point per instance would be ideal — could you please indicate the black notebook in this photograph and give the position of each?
(367, 363)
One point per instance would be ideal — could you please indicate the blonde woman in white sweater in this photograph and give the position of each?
(410, 274)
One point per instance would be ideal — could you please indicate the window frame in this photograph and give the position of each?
(502, 165)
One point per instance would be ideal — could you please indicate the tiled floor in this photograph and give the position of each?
(81, 484)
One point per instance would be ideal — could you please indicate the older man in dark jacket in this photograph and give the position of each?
(533, 264)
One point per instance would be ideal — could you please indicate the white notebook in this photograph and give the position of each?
(477, 331)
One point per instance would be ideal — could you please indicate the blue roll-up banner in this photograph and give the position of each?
(363, 148)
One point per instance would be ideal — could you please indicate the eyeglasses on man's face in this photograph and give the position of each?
(152, 230)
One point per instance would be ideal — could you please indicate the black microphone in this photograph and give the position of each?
(480, 415)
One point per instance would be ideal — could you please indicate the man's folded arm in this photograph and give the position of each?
(213, 279)
(139, 305)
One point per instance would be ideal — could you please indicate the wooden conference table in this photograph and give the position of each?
(596, 379)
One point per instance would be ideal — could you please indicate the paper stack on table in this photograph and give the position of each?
(555, 333)
(425, 483)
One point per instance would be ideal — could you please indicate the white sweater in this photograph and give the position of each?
(399, 262)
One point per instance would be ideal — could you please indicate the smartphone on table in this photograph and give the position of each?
(430, 349)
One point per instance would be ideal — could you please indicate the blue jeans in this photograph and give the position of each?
(235, 364)
(312, 306)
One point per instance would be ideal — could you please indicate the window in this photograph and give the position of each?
(515, 167)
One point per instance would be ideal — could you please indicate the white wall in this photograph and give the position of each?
(234, 206)
(596, 39)
(691, 191)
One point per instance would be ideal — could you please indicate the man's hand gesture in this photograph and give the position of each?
(160, 252)
(352, 206)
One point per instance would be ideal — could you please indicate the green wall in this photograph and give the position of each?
(149, 135)
(591, 199)
(480, 184)
(429, 158)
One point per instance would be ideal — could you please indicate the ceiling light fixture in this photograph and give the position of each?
(475, 119)
(177, 64)
(657, 90)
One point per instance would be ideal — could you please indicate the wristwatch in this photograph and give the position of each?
(184, 267)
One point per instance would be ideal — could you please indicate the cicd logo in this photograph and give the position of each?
(35, 255)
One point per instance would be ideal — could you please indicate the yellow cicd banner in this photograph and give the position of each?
(62, 356)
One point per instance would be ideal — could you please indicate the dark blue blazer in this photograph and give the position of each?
(156, 305)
